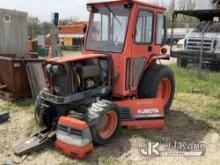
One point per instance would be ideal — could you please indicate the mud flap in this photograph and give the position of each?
(142, 113)
(34, 142)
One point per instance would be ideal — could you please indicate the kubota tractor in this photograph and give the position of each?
(115, 82)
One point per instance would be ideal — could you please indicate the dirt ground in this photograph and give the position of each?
(181, 125)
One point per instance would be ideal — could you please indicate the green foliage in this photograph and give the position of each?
(36, 27)
(181, 21)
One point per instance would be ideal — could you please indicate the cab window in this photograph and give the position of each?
(160, 28)
(144, 27)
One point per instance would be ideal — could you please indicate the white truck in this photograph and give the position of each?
(201, 45)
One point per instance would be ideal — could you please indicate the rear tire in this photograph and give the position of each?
(104, 121)
(158, 82)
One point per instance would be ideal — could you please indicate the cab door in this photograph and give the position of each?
(143, 41)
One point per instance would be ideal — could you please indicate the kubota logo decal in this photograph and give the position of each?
(148, 111)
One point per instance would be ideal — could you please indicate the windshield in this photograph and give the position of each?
(212, 27)
(107, 29)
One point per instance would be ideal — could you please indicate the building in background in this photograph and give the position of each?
(13, 32)
(72, 34)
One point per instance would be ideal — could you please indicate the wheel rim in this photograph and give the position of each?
(164, 90)
(108, 125)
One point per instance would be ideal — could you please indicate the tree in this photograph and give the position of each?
(187, 4)
(35, 27)
(181, 21)
(45, 27)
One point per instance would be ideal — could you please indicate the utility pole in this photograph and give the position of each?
(56, 47)
(172, 26)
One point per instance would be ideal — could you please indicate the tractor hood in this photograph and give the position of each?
(66, 59)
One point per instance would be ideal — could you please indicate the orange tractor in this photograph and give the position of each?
(115, 82)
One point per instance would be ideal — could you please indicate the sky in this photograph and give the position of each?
(43, 8)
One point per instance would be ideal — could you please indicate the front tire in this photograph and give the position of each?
(104, 121)
(158, 82)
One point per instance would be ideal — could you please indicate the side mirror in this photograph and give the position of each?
(164, 41)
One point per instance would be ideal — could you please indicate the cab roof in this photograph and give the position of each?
(114, 2)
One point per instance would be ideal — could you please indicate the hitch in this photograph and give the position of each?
(34, 142)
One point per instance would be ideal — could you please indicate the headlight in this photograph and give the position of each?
(74, 139)
(180, 46)
(54, 69)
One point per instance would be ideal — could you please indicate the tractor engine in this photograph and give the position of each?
(72, 86)
(66, 79)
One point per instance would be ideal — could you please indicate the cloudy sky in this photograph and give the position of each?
(66, 8)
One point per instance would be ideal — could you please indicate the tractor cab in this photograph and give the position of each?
(132, 33)
(108, 27)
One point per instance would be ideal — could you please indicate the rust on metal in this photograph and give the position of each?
(13, 76)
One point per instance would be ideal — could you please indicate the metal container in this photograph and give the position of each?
(13, 31)
(13, 76)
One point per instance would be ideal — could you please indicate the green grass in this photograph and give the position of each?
(193, 81)
(105, 160)
(199, 90)
(213, 113)
(18, 105)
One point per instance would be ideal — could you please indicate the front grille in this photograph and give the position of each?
(196, 44)
(125, 113)
(52, 98)
(69, 131)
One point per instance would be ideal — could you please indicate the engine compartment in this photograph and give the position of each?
(77, 76)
